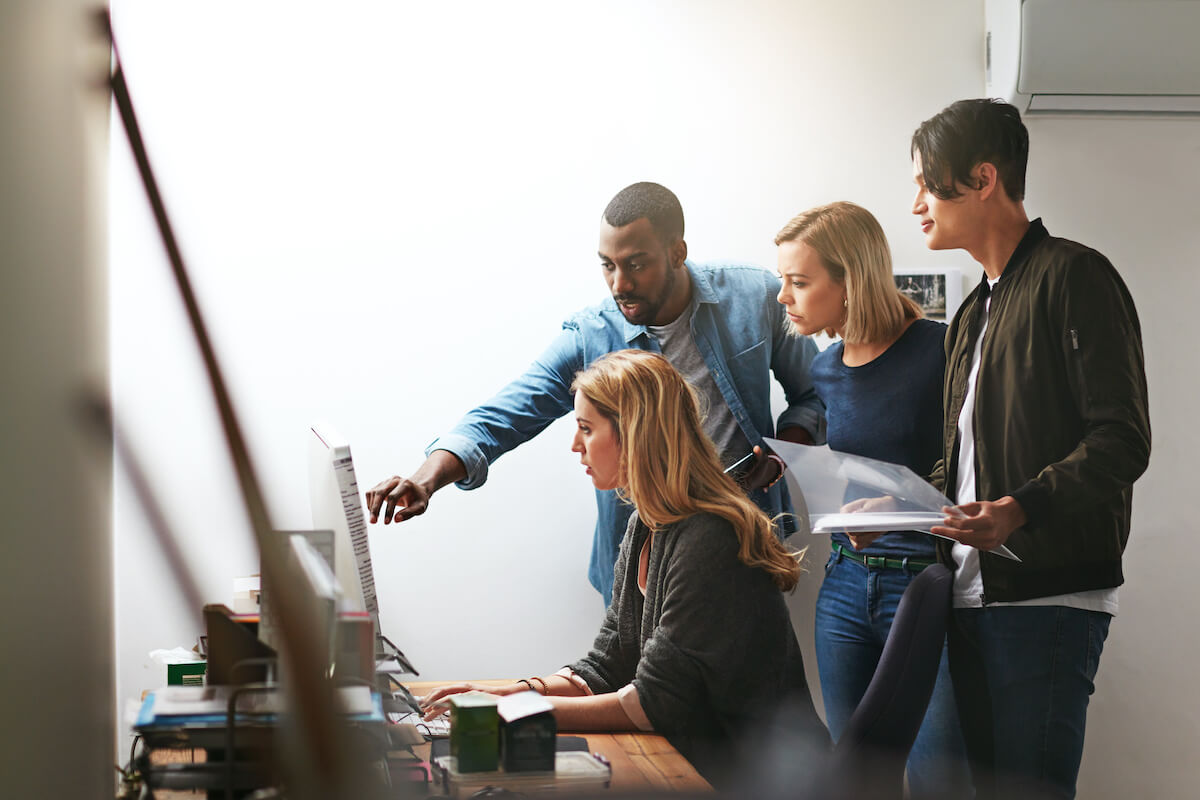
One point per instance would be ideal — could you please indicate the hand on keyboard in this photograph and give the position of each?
(436, 728)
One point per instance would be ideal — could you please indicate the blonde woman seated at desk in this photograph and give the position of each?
(697, 644)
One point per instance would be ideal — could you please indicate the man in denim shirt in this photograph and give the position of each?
(719, 326)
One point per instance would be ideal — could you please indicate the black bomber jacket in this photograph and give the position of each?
(1061, 415)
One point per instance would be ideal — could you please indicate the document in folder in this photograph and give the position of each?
(823, 483)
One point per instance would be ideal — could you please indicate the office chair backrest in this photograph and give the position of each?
(868, 760)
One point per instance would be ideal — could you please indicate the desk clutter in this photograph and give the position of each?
(226, 735)
(223, 737)
(512, 743)
(517, 731)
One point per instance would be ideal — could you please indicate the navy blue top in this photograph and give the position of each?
(889, 409)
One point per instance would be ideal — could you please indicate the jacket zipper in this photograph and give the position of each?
(1077, 367)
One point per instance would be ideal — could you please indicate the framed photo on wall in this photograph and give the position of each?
(938, 291)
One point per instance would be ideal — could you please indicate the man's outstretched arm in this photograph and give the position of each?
(516, 414)
(401, 498)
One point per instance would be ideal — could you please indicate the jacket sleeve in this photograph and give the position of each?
(518, 412)
(938, 476)
(791, 361)
(693, 658)
(1101, 344)
(611, 662)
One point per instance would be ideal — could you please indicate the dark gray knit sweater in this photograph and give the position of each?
(710, 648)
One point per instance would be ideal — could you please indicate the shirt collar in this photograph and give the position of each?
(702, 291)
(1033, 236)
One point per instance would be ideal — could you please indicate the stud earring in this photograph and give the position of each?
(846, 303)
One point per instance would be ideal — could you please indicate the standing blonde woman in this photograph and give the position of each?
(697, 643)
(882, 390)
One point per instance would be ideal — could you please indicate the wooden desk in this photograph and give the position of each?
(641, 762)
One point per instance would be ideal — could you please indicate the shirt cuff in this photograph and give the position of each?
(632, 706)
(811, 419)
(468, 453)
(576, 679)
(1034, 500)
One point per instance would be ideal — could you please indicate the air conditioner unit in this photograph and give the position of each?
(1115, 56)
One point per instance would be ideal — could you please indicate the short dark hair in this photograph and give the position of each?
(652, 201)
(967, 133)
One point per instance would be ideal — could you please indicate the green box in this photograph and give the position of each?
(189, 674)
(474, 732)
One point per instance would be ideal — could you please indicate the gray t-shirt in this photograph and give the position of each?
(679, 347)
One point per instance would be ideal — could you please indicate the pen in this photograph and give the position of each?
(739, 462)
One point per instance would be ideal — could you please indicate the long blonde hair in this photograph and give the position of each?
(854, 250)
(670, 467)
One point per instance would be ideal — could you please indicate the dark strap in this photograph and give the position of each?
(909, 564)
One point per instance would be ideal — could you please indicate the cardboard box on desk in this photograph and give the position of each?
(527, 732)
(474, 732)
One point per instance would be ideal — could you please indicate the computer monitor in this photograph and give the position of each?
(319, 599)
(321, 592)
(337, 506)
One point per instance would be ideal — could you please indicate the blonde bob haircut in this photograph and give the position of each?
(669, 467)
(855, 251)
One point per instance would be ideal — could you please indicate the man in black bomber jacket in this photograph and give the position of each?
(1046, 429)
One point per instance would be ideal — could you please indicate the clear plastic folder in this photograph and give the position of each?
(838, 492)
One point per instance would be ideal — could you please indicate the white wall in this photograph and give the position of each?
(1127, 188)
(388, 210)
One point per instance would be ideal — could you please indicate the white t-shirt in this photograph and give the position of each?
(968, 582)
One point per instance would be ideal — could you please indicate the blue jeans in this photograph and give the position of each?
(1022, 677)
(854, 614)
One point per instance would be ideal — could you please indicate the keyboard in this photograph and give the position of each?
(436, 728)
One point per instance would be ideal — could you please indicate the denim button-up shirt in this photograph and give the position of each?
(739, 329)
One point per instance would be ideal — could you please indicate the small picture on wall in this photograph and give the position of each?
(937, 291)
